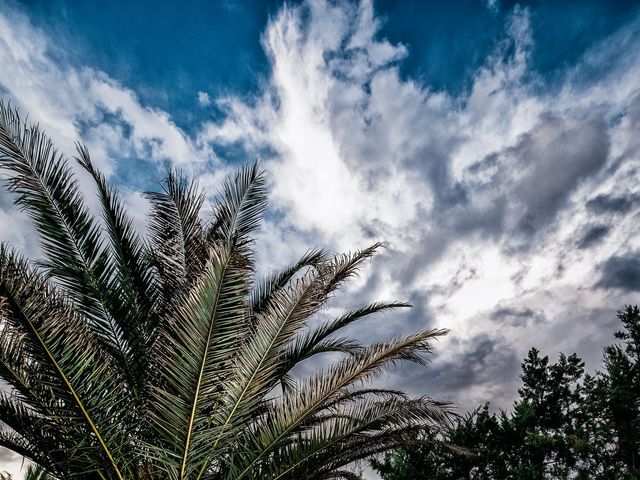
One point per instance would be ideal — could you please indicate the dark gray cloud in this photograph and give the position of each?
(484, 356)
(554, 158)
(622, 272)
(592, 235)
(516, 193)
(488, 363)
(517, 317)
(436, 168)
(457, 281)
(607, 204)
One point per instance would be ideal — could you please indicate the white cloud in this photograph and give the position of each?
(203, 99)
(80, 103)
(71, 102)
(493, 181)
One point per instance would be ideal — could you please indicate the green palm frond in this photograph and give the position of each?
(132, 277)
(37, 431)
(312, 342)
(36, 472)
(256, 366)
(17, 443)
(292, 411)
(265, 289)
(193, 359)
(356, 426)
(160, 356)
(178, 246)
(240, 206)
(66, 358)
(44, 185)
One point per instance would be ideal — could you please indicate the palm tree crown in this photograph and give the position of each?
(162, 356)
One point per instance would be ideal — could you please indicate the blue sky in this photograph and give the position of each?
(494, 145)
(166, 51)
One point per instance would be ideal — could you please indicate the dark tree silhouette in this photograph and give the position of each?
(564, 425)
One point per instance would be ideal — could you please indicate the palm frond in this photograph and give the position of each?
(37, 472)
(43, 184)
(13, 441)
(134, 280)
(36, 430)
(315, 341)
(240, 206)
(345, 266)
(193, 357)
(258, 360)
(264, 289)
(178, 247)
(161, 357)
(293, 410)
(68, 358)
(380, 423)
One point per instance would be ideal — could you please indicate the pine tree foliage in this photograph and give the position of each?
(565, 424)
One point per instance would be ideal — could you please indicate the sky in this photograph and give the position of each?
(493, 145)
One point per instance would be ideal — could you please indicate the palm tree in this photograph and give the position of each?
(161, 356)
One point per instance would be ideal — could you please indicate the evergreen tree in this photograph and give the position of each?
(565, 424)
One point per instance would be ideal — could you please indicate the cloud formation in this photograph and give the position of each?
(621, 272)
(487, 198)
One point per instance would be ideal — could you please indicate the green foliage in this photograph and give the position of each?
(565, 424)
(162, 356)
